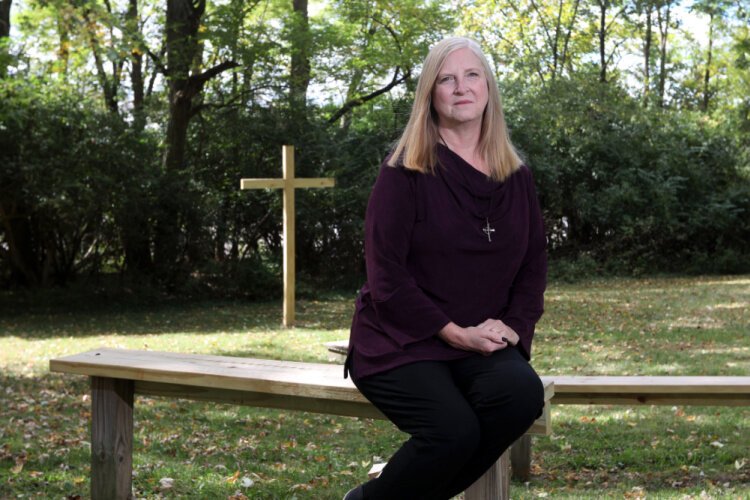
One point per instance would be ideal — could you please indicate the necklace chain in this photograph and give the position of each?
(487, 229)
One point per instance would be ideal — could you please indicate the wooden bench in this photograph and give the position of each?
(635, 391)
(117, 375)
(622, 390)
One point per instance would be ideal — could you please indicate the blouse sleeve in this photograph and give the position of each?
(526, 303)
(403, 310)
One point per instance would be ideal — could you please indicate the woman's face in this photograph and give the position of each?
(459, 94)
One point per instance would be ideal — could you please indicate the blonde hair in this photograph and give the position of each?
(417, 147)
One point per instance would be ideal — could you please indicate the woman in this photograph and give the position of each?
(456, 272)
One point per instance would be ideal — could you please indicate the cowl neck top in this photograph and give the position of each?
(476, 193)
(431, 259)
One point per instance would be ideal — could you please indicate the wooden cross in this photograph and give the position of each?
(288, 183)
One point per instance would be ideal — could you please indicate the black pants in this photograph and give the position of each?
(461, 416)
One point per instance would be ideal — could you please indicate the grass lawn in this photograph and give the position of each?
(659, 326)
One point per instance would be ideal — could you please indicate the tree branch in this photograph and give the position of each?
(353, 103)
(202, 78)
(157, 60)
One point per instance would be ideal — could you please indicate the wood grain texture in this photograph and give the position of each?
(651, 390)
(520, 458)
(111, 438)
(315, 387)
(288, 183)
(651, 384)
(362, 409)
(494, 484)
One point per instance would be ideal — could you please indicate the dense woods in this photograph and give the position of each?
(125, 126)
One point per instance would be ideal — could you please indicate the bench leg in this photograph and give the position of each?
(520, 458)
(494, 484)
(111, 439)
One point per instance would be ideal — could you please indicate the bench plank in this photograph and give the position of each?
(315, 387)
(260, 399)
(635, 390)
(651, 390)
(227, 372)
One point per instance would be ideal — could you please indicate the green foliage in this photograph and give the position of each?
(636, 190)
(70, 174)
(625, 188)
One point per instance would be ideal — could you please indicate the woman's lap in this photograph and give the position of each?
(460, 415)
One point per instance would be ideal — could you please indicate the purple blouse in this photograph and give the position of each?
(430, 261)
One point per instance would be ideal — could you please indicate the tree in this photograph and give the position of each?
(373, 47)
(4, 34)
(715, 10)
(663, 14)
(645, 8)
(183, 54)
(299, 74)
(604, 29)
(529, 37)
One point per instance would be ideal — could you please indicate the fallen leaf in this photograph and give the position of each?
(166, 483)
(717, 444)
(301, 486)
(246, 482)
(233, 478)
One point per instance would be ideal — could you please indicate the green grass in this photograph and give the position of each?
(660, 326)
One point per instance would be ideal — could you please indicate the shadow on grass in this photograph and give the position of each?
(40, 321)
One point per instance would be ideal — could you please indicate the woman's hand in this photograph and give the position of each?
(474, 338)
(497, 326)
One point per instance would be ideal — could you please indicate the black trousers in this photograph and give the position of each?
(461, 416)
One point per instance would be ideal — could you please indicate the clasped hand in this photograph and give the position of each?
(487, 337)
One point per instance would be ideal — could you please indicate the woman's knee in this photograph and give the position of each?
(517, 391)
(529, 393)
(456, 434)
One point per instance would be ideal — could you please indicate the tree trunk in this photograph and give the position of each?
(664, 31)
(707, 76)
(19, 236)
(131, 214)
(183, 48)
(5, 18)
(299, 73)
(136, 63)
(602, 41)
(183, 21)
(647, 56)
(4, 33)
(109, 86)
(564, 58)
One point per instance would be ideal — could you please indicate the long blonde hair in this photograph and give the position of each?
(417, 147)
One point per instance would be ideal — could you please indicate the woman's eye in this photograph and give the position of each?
(446, 79)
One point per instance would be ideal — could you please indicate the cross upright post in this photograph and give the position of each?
(288, 183)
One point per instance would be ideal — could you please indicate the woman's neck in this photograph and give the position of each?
(464, 141)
